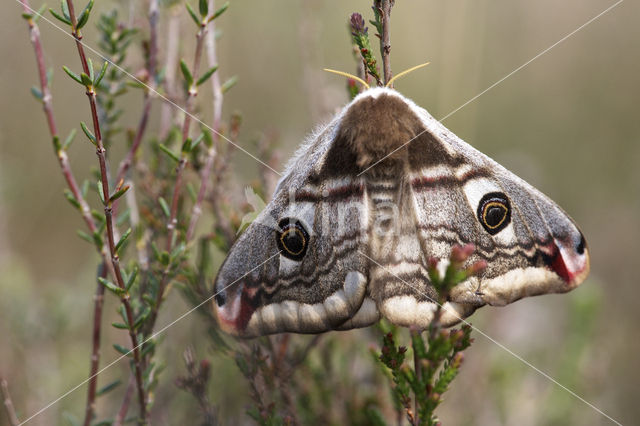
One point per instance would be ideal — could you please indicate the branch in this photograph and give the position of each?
(150, 89)
(82, 204)
(8, 404)
(222, 222)
(173, 37)
(47, 106)
(106, 195)
(218, 98)
(384, 7)
(124, 407)
(417, 368)
(196, 382)
(98, 301)
(191, 76)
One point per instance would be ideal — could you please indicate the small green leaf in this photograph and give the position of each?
(56, 143)
(101, 192)
(27, 16)
(196, 142)
(132, 278)
(150, 300)
(97, 239)
(91, 70)
(192, 192)
(85, 79)
(111, 286)
(186, 72)
(85, 187)
(193, 14)
(85, 236)
(49, 75)
(229, 84)
(123, 239)
(164, 206)
(74, 202)
(149, 345)
(84, 16)
(186, 146)
(72, 74)
(177, 251)
(67, 142)
(143, 316)
(208, 139)
(65, 9)
(219, 12)
(373, 416)
(98, 216)
(165, 258)
(88, 133)
(39, 13)
(136, 84)
(120, 325)
(206, 75)
(204, 7)
(154, 247)
(37, 93)
(167, 151)
(258, 205)
(60, 18)
(122, 349)
(119, 193)
(103, 70)
(107, 388)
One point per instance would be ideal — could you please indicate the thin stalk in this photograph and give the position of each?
(47, 105)
(124, 407)
(173, 37)
(205, 176)
(385, 38)
(98, 301)
(221, 220)
(418, 370)
(108, 212)
(8, 404)
(85, 211)
(126, 163)
(192, 92)
(186, 125)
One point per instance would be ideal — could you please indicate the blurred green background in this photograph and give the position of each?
(568, 123)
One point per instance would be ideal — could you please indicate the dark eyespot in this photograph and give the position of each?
(494, 212)
(581, 244)
(292, 239)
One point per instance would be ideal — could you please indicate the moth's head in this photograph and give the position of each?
(376, 126)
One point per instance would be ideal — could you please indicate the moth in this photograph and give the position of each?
(363, 204)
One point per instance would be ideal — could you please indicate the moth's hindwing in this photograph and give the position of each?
(359, 211)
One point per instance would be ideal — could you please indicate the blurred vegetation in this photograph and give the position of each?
(566, 123)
